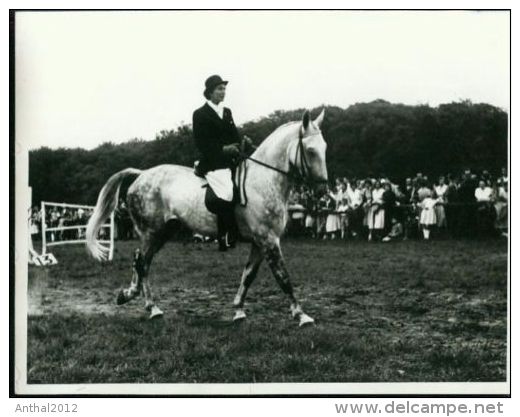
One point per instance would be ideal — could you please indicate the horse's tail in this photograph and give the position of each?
(106, 204)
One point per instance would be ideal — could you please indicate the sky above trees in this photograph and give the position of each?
(84, 78)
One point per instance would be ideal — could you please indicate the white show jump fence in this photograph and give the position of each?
(80, 227)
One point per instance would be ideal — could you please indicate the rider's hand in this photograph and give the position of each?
(231, 150)
(248, 141)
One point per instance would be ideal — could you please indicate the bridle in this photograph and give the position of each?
(302, 174)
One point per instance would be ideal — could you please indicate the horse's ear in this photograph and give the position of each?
(306, 120)
(320, 118)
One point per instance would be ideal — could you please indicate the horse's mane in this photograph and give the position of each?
(277, 132)
(286, 124)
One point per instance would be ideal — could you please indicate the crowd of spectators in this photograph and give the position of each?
(378, 209)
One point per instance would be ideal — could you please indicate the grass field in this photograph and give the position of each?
(405, 311)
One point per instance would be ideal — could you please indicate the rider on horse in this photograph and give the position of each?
(219, 143)
(294, 151)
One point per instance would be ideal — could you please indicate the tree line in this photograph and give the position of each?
(366, 139)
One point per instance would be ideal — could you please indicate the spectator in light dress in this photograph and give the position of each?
(428, 217)
(376, 213)
(333, 223)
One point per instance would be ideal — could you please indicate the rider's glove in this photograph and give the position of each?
(231, 150)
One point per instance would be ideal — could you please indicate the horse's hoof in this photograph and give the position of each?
(155, 312)
(121, 299)
(239, 315)
(305, 320)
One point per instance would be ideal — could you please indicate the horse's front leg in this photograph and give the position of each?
(274, 257)
(136, 285)
(248, 275)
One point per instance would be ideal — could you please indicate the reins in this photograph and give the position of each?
(298, 176)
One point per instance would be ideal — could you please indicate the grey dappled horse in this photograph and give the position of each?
(166, 192)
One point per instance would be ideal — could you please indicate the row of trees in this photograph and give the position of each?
(364, 139)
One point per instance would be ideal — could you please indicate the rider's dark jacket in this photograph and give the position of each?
(211, 133)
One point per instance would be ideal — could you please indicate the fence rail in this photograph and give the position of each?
(45, 229)
(78, 226)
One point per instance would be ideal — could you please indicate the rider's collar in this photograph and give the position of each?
(219, 108)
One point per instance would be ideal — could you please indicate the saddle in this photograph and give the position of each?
(212, 201)
(198, 172)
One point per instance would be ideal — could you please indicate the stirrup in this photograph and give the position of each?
(231, 243)
(222, 244)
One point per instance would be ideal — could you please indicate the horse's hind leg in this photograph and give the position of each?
(151, 244)
(136, 286)
(248, 275)
(276, 262)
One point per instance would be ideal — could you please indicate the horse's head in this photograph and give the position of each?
(309, 155)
